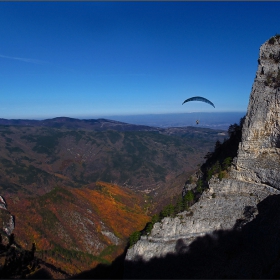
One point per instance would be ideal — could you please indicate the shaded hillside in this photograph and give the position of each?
(75, 229)
(16, 262)
(35, 159)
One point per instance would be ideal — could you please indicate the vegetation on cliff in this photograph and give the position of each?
(217, 163)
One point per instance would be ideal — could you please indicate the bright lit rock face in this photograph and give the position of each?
(254, 175)
(259, 152)
(6, 218)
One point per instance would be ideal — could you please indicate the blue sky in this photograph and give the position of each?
(94, 59)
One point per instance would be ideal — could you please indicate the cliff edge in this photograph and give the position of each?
(231, 203)
(259, 151)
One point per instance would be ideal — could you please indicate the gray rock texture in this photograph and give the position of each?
(254, 176)
(2, 203)
(9, 226)
(7, 220)
(112, 237)
(259, 154)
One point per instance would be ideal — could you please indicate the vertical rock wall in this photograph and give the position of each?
(259, 151)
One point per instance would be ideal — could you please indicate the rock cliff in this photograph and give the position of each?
(233, 202)
(7, 220)
(259, 153)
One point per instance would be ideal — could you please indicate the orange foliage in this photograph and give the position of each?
(116, 207)
(110, 203)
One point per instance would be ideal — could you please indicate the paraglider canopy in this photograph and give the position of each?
(199, 98)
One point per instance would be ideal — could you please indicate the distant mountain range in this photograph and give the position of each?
(72, 123)
(220, 120)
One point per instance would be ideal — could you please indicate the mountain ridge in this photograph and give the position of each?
(73, 123)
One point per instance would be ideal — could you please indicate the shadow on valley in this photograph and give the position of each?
(250, 252)
(102, 271)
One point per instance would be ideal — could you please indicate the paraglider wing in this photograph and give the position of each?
(199, 98)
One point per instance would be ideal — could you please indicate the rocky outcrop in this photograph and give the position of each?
(9, 226)
(259, 151)
(112, 237)
(6, 219)
(254, 176)
(2, 203)
(223, 206)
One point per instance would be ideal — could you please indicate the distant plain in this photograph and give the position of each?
(220, 120)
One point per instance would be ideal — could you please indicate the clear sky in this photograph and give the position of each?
(89, 59)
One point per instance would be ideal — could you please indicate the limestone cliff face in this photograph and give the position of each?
(259, 152)
(255, 174)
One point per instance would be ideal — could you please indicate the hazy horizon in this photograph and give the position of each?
(218, 120)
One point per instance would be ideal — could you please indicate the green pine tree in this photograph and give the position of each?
(179, 207)
(134, 237)
(188, 199)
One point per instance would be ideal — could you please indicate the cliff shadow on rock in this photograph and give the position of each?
(250, 252)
